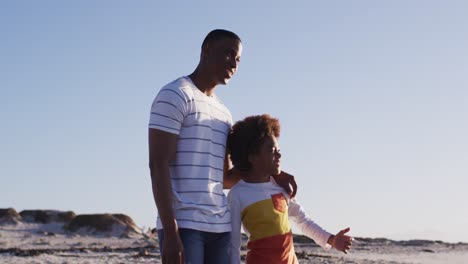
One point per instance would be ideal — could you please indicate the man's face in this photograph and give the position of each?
(223, 57)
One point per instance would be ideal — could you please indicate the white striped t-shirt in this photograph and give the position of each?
(202, 124)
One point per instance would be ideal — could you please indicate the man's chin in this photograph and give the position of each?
(225, 81)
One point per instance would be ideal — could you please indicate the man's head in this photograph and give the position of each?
(252, 142)
(220, 55)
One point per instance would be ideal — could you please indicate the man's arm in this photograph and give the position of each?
(162, 149)
(230, 175)
(288, 183)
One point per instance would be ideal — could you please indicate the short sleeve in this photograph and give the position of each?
(168, 110)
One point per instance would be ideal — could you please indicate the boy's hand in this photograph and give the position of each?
(288, 183)
(340, 241)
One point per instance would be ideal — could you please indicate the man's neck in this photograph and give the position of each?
(205, 85)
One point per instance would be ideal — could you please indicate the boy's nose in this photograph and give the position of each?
(233, 62)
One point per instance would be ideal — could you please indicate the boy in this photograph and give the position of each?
(260, 204)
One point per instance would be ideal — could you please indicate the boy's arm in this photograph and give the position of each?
(340, 241)
(308, 226)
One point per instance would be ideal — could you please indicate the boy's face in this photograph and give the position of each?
(267, 160)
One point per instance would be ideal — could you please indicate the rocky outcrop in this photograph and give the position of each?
(128, 221)
(9, 216)
(47, 216)
(107, 224)
(120, 225)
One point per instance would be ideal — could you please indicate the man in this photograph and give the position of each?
(187, 157)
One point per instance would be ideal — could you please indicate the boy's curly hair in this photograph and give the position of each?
(247, 135)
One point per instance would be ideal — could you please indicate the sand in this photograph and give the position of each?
(50, 243)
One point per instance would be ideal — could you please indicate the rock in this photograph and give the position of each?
(127, 220)
(47, 216)
(416, 243)
(45, 233)
(107, 224)
(143, 252)
(302, 255)
(9, 216)
(302, 239)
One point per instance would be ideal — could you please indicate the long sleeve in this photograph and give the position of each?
(235, 244)
(308, 226)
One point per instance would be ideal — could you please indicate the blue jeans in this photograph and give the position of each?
(202, 247)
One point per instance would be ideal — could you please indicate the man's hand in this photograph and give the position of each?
(173, 250)
(340, 241)
(231, 177)
(288, 183)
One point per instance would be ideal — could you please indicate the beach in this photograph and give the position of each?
(40, 243)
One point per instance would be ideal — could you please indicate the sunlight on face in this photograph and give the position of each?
(267, 161)
(224, 59)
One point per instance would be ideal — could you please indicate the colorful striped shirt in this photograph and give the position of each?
(264, 210)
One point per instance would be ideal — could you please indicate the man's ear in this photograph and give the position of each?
(206, 51)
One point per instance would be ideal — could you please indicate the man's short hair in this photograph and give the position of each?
(218, 34)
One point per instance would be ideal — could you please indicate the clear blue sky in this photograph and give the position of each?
(372, 96)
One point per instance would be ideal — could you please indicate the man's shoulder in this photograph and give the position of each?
(181, 86)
